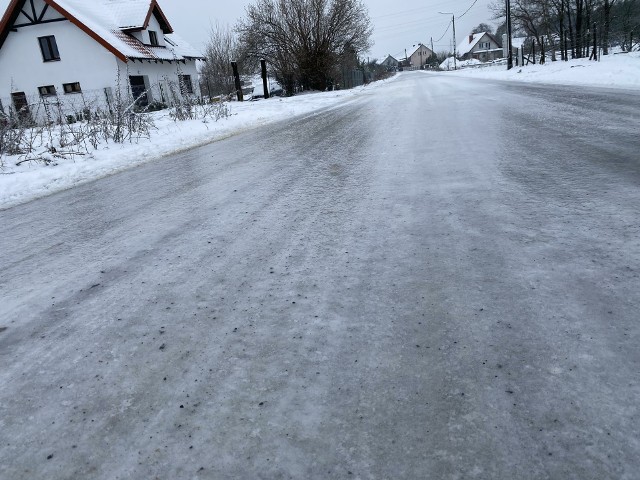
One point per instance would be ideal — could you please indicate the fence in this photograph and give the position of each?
(352, 78)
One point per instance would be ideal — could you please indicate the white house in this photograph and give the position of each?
(75, 52)
(481, 46)
(390, 63)
(416, 56)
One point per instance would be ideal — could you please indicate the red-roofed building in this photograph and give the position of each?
(62, 48)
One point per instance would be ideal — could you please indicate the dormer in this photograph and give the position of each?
(155, 26)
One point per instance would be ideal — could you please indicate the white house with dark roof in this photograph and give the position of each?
(76, 50)
(481, 46)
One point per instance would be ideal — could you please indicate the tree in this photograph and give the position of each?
(306, 41)
(221, 49)
(483, 27)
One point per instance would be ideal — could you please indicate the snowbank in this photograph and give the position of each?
(618, 71)
(449, 64)
(28, 181)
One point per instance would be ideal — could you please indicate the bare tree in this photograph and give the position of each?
(305, 41)
(222, 48)
(481, 28)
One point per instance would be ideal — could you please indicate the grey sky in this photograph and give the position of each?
(398, 24)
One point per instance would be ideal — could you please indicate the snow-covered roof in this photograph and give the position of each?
(109, 21)
(466, 46)
(411, 50)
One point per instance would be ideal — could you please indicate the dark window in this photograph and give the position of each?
(153, 38)
(21, 105)
(185, 84)
(72, 87)
(49, 48)
(139, 90)
(47, 90)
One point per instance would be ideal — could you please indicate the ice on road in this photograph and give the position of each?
(438, 280)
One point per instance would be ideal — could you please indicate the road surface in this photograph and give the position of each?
(438, 279)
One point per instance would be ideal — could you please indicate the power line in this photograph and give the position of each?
(467, 11)
(445, 32)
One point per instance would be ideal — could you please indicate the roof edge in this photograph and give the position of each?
(87, 30)
(164, 23)
(10, 15)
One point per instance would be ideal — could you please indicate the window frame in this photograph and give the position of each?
(153, 38)
(72, 89)
(186, 84)
(47, 91)
(51, 52)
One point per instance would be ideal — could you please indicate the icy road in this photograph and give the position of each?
(438, 279)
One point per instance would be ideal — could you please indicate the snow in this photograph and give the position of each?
(466, 46)
(19, 184)
(30, 181)
(106, 19)
(618, 71)
(449, 64)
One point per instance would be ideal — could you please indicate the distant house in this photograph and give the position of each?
(416, 56)
(390, 63)
(72, 51)
(481, 46)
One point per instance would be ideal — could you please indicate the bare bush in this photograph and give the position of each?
(222, 48)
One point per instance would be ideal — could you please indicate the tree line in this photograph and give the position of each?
(569, 26)
(306, 43)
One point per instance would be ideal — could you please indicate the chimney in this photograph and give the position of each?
(471, 38)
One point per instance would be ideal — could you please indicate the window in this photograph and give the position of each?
(153, 38)
(49, 48)
(72, 87)
(47, 91)
(185, 84)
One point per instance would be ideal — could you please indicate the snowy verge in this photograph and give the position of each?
(615, 71)
(19, 184)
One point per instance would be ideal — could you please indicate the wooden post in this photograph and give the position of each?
(509, 37)
(265, 84)
(533, 50)
(234, 66)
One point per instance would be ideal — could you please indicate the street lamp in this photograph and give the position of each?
(455, 63)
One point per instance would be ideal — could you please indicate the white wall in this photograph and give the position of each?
(155, 26)
(159, 74)
(82, 59)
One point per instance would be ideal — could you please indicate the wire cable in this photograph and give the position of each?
(467, 11)
(445, 32)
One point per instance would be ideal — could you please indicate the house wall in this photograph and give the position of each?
(82, 59)
(161, 77)
(483, 53)
(420, 56)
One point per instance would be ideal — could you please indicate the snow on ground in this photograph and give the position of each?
(30, 180)
(19, 184)
(449, 64)
(619, 71)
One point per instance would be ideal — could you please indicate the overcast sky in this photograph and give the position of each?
(398, 24)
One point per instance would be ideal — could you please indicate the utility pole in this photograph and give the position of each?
(455, 45)
(453, 20)
(509, 37)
